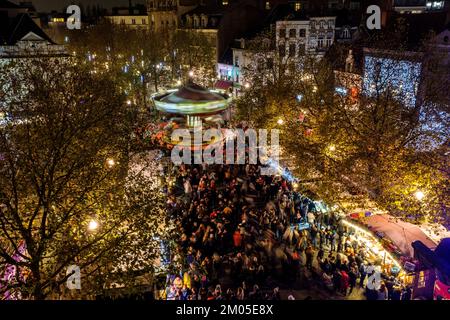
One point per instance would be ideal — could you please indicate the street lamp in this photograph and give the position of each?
(332, 148)
(280, 121)
(110, 162)
(247, 85)
(191, 73)
(419, 195)
(93, 225)
(129, 102)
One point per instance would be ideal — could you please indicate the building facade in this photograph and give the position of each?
(313, 35)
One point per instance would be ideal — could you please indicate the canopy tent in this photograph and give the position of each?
(401, 233)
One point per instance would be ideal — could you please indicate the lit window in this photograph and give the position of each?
(133, 21)
(225, 2)
(422, 279)
(297, 6)
(267, 5)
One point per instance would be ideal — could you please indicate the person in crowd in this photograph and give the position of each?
(235, 223)
(382, 292)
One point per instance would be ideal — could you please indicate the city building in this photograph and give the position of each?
(224, 22)
(432, 271)
(132, 17)
(418, 6)
(21, 37)
(308, 35)
(162, 14)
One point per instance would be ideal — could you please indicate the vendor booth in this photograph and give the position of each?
(389, 241)
(432, 276)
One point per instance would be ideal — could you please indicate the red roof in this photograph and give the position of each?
(223, 84)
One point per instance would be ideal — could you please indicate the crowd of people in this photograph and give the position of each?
(244, 235)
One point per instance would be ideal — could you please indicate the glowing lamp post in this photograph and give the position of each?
(280, 121)
(93, 225)
(110, 163)
(419, 195)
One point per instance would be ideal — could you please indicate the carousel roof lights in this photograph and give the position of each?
(191, 100)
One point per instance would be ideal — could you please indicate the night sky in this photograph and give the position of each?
(48, 5)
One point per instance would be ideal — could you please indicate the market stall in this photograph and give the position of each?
(388, 240)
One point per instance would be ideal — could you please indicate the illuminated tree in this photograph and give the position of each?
(375, 147)
(70, 190)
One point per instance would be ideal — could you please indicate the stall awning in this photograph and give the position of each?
(223, 84)
(401, 233)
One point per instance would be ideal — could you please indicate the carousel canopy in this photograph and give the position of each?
(192, 99)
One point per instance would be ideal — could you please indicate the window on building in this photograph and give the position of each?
(292, 33)
(421, 282)
(282, 33)
(282, 50)
(297, 6)
(292, 50)
(346, 33)
(133, 21)
(301, 48)
(354, 5)
(322, 24)
(330, 24)
(329, 42)
(269, 63)
(302, 33)
(224, 2)
(236, 61)
(313, 24)
(122, 21)
(267, 5)
(320, 42)
(144, 21)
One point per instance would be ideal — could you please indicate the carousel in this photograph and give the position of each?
(190, 107)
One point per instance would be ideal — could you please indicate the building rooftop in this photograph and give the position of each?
(14, 29)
